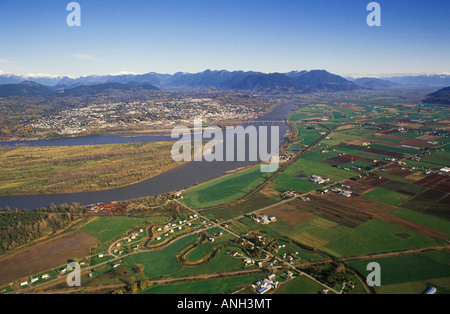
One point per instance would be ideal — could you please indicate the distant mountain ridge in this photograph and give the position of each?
(304, 81)
(422, 80)
(322, 80)
(374, 83)
(29, 88)
(295, 81)
(441, 96)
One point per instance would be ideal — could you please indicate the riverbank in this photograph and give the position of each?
(74, 169)
(179, 178)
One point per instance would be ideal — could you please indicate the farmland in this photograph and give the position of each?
(225, 189)
(377, 236)
(381, 200)
(416, 269)
(204, 287)
(108, 228)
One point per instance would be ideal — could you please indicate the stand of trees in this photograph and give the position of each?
(18, 227)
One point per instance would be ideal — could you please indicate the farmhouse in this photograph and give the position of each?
(290, 193)
(264, 220)
(45, 276)
(317, 179)
(265, 285)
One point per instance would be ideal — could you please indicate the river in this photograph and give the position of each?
(178, 178)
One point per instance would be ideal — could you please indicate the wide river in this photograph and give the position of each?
(178, 178)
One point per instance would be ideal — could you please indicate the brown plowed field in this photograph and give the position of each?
(373, 181)
(343, 215)
(344, 159)
(383, 152)
(364, 208)
(290, 214)
(47, 255)
(359, 187)
(444, 186)
(400, 172)
(432, 180)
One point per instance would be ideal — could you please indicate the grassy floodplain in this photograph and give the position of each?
(67, 169)
(224, 189)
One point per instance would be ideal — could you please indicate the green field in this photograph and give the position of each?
(222, 262)
(309, 165)
(318, 156)
(431, 221)
(299, 285)
(376, 236)
(315, 233)
(225, 189)
(408, 134)
(200, 251)
(385, 196)
(212, 286)
(417, 287)
(163, 263)
(309, 135)
(109, 228)
(288, 180)
(312, 167)
(409, 268)
(255, 202)
(359, 152)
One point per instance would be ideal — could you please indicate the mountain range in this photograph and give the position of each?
(374, 83)
(441, 96)
(304, 81)
(29, 88)
(295, 81)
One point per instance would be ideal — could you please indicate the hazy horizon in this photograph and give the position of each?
(351, 75)
(254, 35)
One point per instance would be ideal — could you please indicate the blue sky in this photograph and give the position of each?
(167, 36)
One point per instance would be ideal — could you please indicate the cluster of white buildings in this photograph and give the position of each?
(345, 193)
(266, 284)
(172, 227)
(318, 180)
(264, 219)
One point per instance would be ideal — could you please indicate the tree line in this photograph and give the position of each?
(19, 227)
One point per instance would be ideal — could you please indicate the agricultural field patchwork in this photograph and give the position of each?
(363, 179)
